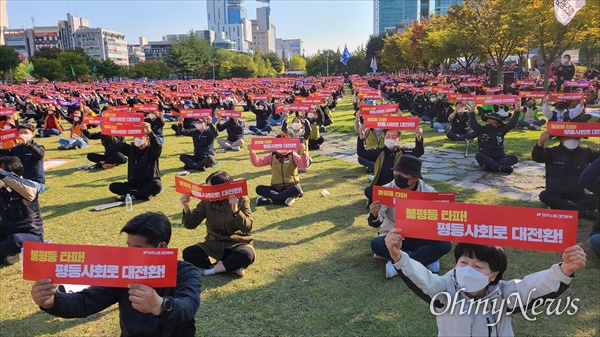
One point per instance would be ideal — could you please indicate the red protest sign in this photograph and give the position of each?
(308, 100)
(574, 129)
(145, 107)
(123, 117)
(123, 129)
(195, 113)
(297, 107)
(93, 120)
(461, 97)
(516, 227)
(237, 188)
(100, 265)
(8, 135)
(369, 95)
(379, 109)
(45, 101)
(388, 195)
(258, 97)
(7, 111)
(496, 99)
(274, 144)
(229, 114)
(442, 90)
(492, 89)
(118, 108)
(532, 94)
(182, 94)
(566, 96)
(391, 122)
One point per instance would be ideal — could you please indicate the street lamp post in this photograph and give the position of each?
(327, 63)
(213, 66)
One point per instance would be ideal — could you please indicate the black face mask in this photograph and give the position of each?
(400, 181)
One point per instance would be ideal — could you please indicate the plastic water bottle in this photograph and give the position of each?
(128, 203)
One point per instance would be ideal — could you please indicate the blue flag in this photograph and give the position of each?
(345, 55)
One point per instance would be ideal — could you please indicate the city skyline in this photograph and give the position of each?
(320, 24)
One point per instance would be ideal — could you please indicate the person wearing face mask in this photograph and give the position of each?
(262, 112)
(143, 173)
(564, 72)
(387, 156)
(203, 134)
(490, 141)
(51, 125)
(477, 277)
(285, 180)
(111, 157)
(235, 134)
(561, 113)
(528, 116)
(443, 111)
(374, 138)
(429, 114)
(564, 165)
(301, 129)
(31, 155)
(20, 215)
(460, 130)
(77, 140)
(6, 125)
(157, 123)
(407, 176)
(315, 118)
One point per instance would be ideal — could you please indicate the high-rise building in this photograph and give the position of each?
(207, 35)
(263, 31)
(289, 47)
(67, 29)
(229, 16)
(393, 14)
(3, 21)
(103, 44)
(157, 50)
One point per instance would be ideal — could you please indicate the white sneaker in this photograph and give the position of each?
(441, 130)
(239, 272)
(264, 133)
(377, 257)
(290, 201)
(235, 148)
(390, 270)
(536, 127)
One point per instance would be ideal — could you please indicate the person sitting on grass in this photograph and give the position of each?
(300, 129)
(143, 311)
(203, 134)
(460, 130)
(490, 139)
(227, 246)
(76, 140)
(31, 155)
(143, 173)
(528, 116)
(262, 112)
(285, 180)
(478, 277)
(20, 215)
(51, 126)
(111, 156)
(407, 176)
(235, 134)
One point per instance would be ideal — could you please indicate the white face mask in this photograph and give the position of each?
(76, 119)
(460, 110)
(571, 144)
(296, 126)
(199, 127)
(432, 99)
(208, 101)
(470, 279)
(152, 116)
(138, 141)
(310, 115)
(390, 143)
(26, 137)
(565, 60)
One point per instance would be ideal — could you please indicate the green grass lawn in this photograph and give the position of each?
(314, 273)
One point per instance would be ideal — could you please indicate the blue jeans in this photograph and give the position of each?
(368, 164)
(13, 243)
(254, 129)
(420, 250)
(460, 137)
(595, 244)
(493, 164)
(274, 122)
(438, 125)
(426, 118)
(48, 132)
(78, 142)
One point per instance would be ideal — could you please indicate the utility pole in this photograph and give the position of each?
(213, 65)
(327, 63)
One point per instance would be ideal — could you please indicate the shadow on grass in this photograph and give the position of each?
(73, 206)
(48, 324)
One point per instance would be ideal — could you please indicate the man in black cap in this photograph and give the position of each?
(407, 176)
(204, 134)
(31, 155)
(490, 140)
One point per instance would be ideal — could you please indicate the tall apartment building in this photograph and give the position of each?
(229, 16)
(393, 14)
(103, 44)
(263, 31)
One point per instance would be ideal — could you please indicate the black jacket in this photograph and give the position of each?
(177, 322)
(387, 174)
(563, 166)
(109, 150)
(490, 139)
(235, 132)
(262, 116)
(460, 124)
(32, 158)
(19, 208)
(143, 163)
(203, 141)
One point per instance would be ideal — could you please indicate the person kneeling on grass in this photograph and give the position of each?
(204, 135)
(143, 173)
(477, 279)
(143, 311)
(285, 180)
(227, 246)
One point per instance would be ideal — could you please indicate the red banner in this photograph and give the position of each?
(532, 94)
(379, 109)
(388, 195)
(441, 90)
(274, 144)
(123, 117)
(496, 99)
(45, 101)
(145, 107)
(7, 111)
(391, 122)
(229, 114)
(195, 113)
(8, 135)
(308, 100)
(461, 98)
(566, 96)
(369, 95)
(574, 129)
(516, 227)
(258, 97)
(118, 108)
(237, 188)
(100, 265)
(182, 94)
(492, 89)
(93, 120)
(123, 129)
(293, 107)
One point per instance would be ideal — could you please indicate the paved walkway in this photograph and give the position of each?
(451, 166)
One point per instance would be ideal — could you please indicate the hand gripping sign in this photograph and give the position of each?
(388, 196)
(100, 265)
(516, 227)
(391, 122)
(123, 117)
(496, 99)
(229, 114)
(575, 130)
(145, 107)
(274, 144)
(195, 113)
(383, 109)
(7, 136)
(238, 188)
(7, 111)
(93, 120)
(566, 96)
(123, 129)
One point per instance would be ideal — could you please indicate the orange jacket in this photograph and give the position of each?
(56, 121)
